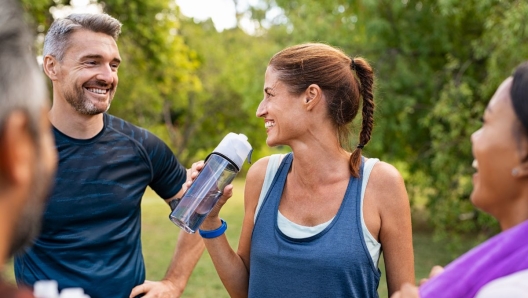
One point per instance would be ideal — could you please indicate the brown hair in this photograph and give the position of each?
(344, 82)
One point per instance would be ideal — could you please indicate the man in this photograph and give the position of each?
(91, 229)
(27, 154)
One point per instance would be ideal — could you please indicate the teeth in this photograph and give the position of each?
(99, 91)
(475, 164)
(269, 124)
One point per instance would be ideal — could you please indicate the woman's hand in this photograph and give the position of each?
(212, 221)
(407, 291)
(434, 272)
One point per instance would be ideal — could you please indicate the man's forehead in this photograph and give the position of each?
(89, 43)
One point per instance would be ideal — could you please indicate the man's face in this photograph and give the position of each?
(29, 222)
(87, 77)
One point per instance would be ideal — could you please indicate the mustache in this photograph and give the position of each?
(101, 84)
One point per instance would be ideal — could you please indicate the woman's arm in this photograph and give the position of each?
(388, 195)
(233, 268)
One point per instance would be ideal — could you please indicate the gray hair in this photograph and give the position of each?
(22, 84)
(56, 41)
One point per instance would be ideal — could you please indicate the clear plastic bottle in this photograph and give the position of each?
(220, 168)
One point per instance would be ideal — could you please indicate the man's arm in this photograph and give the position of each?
(189, 249)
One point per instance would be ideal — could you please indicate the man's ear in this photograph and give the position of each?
(51, 67)
(17, 150)
(313, 96)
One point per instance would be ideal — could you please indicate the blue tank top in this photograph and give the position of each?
(333, 263)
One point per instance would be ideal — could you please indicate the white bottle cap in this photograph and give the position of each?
(46, 289)
(72, 293)
(236, 148)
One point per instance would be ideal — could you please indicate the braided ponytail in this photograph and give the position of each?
(366, 82)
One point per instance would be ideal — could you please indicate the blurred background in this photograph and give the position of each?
(193, 71)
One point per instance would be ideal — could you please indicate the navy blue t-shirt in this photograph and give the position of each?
(92, 224)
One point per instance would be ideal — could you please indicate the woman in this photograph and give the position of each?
(499, 266)
(315, 232)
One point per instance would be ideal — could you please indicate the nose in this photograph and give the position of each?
(475, 135)
(261, 110)
(106, 74)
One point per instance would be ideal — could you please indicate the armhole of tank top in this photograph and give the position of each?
(272, 168)
(367, 169)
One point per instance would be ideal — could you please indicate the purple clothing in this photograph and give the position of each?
(502, 255)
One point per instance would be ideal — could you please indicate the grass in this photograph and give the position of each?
(159, 237)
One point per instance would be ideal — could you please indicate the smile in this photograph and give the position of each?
(269, 124)
(98, 91)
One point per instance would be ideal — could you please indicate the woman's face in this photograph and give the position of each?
(497, 151)
(280, 110)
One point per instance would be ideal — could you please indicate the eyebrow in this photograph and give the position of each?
(99, 57)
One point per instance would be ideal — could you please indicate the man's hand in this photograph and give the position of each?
(194, 170)
(156, 289)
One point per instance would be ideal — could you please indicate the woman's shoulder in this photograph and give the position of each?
(256, 174)
(387, 187)
(258, 168)
(254, 181)
(383, 172)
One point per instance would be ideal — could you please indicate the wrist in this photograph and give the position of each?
(174, 284)
(211, 223)
(209, 234)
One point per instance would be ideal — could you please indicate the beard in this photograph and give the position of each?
(29, 223)
(77, 98)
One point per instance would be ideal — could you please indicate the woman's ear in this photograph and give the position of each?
(313, 96)
(521, 170)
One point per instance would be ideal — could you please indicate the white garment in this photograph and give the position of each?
(510, 286)
(297, 231)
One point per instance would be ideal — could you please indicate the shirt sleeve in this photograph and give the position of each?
(168, 174)
(511, 286)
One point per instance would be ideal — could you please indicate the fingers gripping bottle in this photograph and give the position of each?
(220, 168)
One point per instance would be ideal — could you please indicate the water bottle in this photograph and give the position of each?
(73, 293)
(220, 168)
(46, 289)
(50, 289)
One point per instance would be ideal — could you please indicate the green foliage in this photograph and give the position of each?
(232, 72)
(38, 11)
(159, 69)
(437, 63)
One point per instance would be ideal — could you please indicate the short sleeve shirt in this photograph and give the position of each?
(91, 227)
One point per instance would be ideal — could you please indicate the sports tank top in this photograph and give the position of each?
(332, 263)
(294, 230)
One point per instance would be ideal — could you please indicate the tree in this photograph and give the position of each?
(232, 71)
(437, 64)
